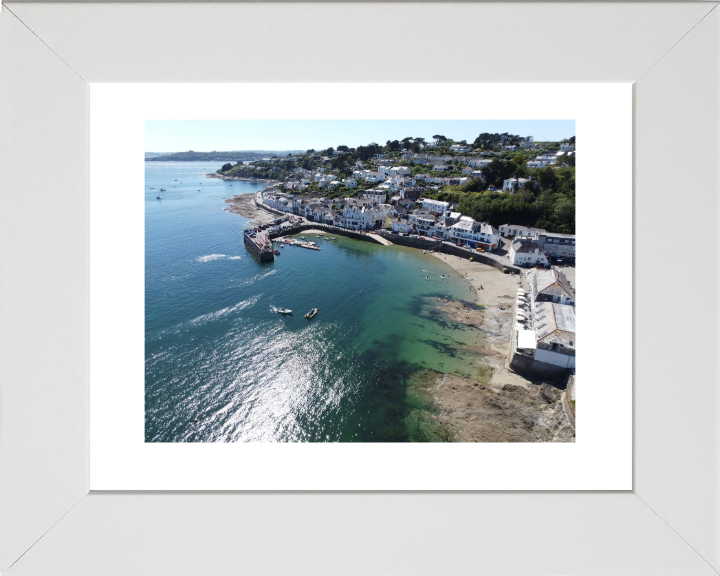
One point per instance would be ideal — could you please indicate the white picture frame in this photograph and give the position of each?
(49, 523)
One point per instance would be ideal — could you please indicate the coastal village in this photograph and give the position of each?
(417, 198)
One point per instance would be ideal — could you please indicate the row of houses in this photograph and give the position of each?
(446, 159)
(356, 214)
(452, 226)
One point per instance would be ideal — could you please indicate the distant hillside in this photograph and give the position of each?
(215, 156)
(153, 154)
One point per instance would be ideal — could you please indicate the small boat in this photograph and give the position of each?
(158, 198)
(162, 189)
(301, 237)
(284, 311)
(277, 252)
(311, 314)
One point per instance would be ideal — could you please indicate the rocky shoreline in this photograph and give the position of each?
(242, 178)
(499, 405)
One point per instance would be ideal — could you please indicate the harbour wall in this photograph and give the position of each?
(410, 242)
(490, 260)
(257, 252)
(328, 230)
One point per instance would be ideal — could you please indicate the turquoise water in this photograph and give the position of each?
(217, 352)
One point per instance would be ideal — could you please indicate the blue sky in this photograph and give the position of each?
(221, 135)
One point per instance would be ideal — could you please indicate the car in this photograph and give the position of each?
(393, 232)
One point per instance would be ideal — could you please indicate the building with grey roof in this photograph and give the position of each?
(526, 253)
(550, 286)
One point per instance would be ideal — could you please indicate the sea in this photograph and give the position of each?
(221, 365)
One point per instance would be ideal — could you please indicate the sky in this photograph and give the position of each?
(227, 135)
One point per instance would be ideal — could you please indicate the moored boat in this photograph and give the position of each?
(311, 314)
(277, 252)
(284, 311)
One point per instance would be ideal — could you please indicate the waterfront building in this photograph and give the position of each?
(526, 253)
(552, 340)
(476, 234)
(403, 226)
(550, 286)
(423, 221)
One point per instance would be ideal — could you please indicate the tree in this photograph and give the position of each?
(226, 167)
(311, 151)
(439, 138)
(571, 140)
(566, 159)
(343, 149)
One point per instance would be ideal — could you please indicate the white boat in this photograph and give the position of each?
(284, 311)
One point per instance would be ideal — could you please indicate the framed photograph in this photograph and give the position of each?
(85, 467)
(382, 397)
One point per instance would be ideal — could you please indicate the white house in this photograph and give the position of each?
(439, 167)
(375, 196)
(374, 177)
(437, 206)
(403, 225)
(362, 214)
(399, 171)
(476, 234)
(514, 184)
(537, 164)
(459, 148)
(423, 221)
(350, 183)
(333, 184)
(526, 254)
(479, 162)
(510, 230)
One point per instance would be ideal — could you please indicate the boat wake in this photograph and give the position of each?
(212, 257)
(212, 316)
